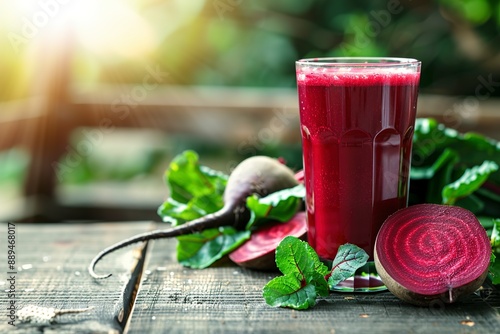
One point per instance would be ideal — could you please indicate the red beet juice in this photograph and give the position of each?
(357, 128)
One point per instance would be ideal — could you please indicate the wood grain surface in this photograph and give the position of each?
(53, 259)
(228, 299)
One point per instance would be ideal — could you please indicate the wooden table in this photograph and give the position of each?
(150, 292)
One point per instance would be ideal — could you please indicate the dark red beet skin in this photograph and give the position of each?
(258, 251)
(259, 175)
(432, 250)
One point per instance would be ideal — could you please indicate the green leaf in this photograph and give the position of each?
(495, 237)
(187, 179)
(431, 138)
(469, 182)
(278, 206)
(494, 268)
(349, 258)
(487, 223)
(441, 178)
(195, 190)
(303, 278)
(177, 213)
(489, 194)
(294, 256)
(471, 203)
(200, 250)
(283, 291)
(428, 172)
(319, 281)
(441, 156)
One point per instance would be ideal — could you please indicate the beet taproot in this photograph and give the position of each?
(430, 253)
(259, 175)
(258, 252)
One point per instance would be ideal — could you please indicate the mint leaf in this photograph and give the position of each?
(200, 250)
(349, 258)
(278, 206)
(195, 190)
(303, 278)
(469, 182)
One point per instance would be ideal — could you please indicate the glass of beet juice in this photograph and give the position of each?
(357, 117)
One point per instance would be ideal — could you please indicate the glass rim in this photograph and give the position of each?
(358, 62)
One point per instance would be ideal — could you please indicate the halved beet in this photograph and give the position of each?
(428, 253)
(258, 251)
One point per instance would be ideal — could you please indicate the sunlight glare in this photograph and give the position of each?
(112, 28)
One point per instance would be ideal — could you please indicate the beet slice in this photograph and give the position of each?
(258, 251)
(428, 252)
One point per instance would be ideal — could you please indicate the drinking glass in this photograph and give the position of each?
(357, 118)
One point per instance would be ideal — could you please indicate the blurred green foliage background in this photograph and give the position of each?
(255, 42)
(243, 43)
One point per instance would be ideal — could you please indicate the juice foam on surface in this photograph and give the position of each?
(325, 76)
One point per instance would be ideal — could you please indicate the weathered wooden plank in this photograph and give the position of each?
(51, 271)
(228, 299)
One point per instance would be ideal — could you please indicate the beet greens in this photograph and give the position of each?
(258, 175)
(449, 167)
(305, 277)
